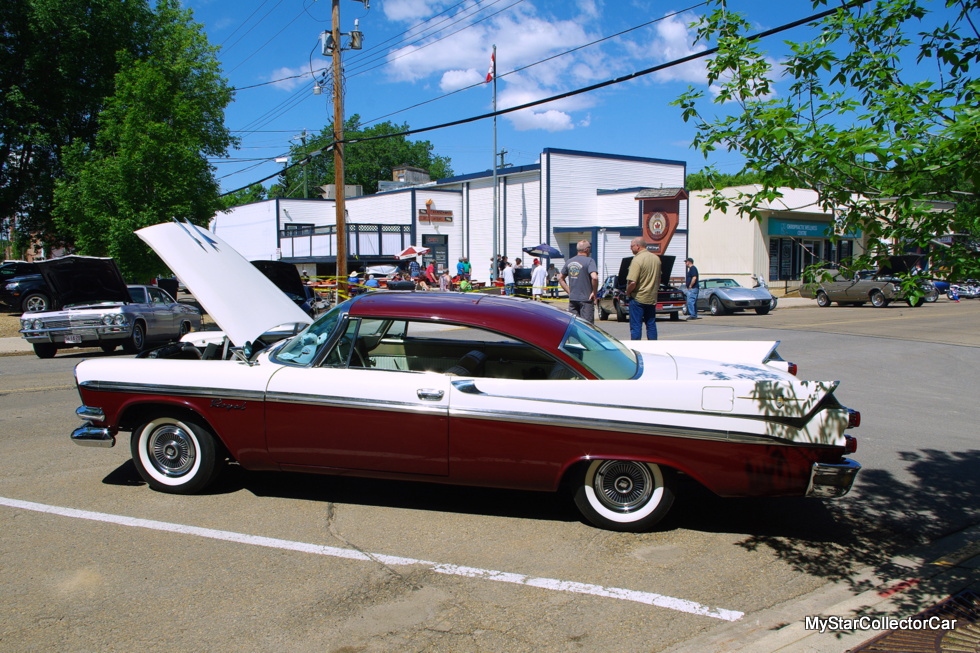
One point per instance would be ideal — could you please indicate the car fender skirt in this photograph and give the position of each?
(93, 436)
(832, 480)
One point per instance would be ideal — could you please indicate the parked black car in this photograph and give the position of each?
(612, 293)
(22, 288)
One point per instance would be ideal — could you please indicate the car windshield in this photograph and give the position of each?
(301, 348)
(602, 354)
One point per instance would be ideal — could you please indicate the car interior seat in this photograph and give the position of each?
(471, 364)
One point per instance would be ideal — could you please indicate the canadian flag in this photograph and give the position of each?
(493, 66)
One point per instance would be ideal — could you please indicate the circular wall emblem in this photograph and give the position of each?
(657, 224)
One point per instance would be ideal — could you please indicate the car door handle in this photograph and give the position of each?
(430, 394)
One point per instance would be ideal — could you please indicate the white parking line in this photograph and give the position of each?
(553, 584)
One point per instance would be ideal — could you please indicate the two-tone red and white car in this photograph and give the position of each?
(465, 389)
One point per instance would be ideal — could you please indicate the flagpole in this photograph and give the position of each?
(495, 225)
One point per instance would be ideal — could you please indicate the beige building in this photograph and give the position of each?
(791, 234)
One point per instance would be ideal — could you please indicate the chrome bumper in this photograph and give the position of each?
(832, 480)
(90, 435)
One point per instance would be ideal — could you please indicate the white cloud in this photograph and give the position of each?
(453, 80)
(288, 76)
(411, 11)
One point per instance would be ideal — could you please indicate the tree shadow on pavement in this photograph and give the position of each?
(841, 541)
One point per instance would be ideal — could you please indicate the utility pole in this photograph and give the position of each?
(338, 133)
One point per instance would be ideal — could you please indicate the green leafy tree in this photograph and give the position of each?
(709, 178)
(857, 122)
(254, 193)
(149, 162)
(58, 60)
(365, 163)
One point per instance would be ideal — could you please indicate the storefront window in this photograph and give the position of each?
(788, 257)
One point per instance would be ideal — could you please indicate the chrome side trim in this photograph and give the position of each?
(174, 390)
(88, 413)
(832, 480)
(354, 402)
(92, 436)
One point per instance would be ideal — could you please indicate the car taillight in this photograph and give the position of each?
(853, 418)
(791, 368)
(850, 444)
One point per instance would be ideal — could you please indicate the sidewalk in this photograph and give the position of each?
(15, 347)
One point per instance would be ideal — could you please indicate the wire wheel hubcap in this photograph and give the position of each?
(172, 450)
(623, 486)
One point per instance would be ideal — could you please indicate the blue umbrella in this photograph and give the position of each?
(544, 250)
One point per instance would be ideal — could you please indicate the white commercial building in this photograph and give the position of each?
(568, 196)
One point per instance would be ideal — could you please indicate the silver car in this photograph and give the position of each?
(100, 310)
(721, 296)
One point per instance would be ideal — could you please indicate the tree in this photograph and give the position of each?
(859, 123)
(709, 178)
(57, 66)
(149, 162)
(365, 163)
(254, 193)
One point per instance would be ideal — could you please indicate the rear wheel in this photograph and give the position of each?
(45, 349)
(175, 454)
(823, 300)
(624, 495)
(603, 313)
(878, 299)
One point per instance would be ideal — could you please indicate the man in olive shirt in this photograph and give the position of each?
(642, 286)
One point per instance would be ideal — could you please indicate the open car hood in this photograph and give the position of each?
(666, 266)
(83, 280)
(241, 299)
(284, 275)
(900, 264)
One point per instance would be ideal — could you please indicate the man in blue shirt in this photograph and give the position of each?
(691, 287)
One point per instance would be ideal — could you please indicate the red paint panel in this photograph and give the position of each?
(533, 457)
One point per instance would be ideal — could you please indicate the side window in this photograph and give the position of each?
(157, 297)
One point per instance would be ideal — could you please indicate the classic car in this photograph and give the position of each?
(100, 310)
(467, 389)
(23, 288)
(880, 287)
(612, 293)
(721, 296)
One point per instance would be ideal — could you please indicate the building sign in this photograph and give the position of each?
(435, 215)
(660, 221)
(438, 245)
(804, 229)
(660, 210)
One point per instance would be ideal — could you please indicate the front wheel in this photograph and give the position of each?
(36, 302)
(136, 341)
(621, 314)
(624, 495)
(675, 316)
(715, 307)
(823, 300)
(175, 455)
(45, 349)
(603, 313)
(916, 303)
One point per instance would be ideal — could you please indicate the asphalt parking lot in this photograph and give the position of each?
(94, 560)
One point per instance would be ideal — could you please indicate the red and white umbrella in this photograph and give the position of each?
(411, 252)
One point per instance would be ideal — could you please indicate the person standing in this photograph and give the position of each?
(431, 275)
(466, 268)
(508, 276)
(539, 279)
(691, 287)
(580, 279)
(444, 281)
(553, 281)
(642, 287)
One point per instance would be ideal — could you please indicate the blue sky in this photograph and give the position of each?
(417, 52)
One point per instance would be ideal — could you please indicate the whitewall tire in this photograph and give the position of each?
(175, 455)
(624, 495)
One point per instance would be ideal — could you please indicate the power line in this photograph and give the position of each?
(586, 89)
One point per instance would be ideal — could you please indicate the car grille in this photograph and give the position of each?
(74, 321)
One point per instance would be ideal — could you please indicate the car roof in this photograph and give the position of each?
(534, 322)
